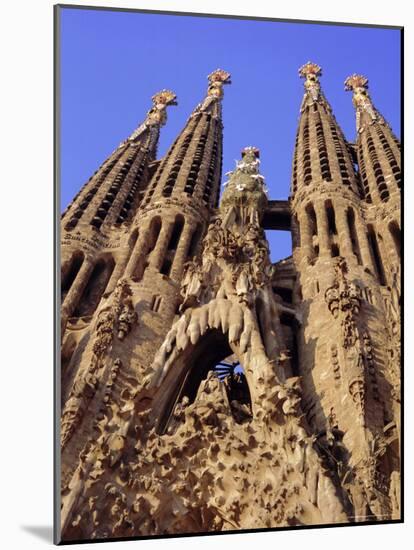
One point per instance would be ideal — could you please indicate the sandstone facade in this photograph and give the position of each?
(205, 389)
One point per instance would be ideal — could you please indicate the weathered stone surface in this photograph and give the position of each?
(205, 388)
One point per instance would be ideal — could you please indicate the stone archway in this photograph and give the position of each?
(189, 368)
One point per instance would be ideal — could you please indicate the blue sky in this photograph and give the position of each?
(113, 62)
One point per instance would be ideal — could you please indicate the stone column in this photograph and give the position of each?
(137, 254)
(391, 182)
(182, 251)
(387, 250)
(364, 245)
(127, 184)
(104, 187)
(116, 275)
(323, 231)
(305, 235)
(344, 235)
(65, 266)
(158, 254)
(372, 180)
(78, 286)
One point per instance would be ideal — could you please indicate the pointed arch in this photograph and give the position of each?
(395, 232)
(95, 287)
(190, 367)
(172, 245)
(71, 273)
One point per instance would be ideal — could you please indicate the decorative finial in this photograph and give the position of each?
(217, 79)
(164, 97)
(157, 115)
(310, 72)
(161, 100)
(250, 151)
(356, 81)
(310, 69)
(361, 99)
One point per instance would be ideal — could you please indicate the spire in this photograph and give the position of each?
(193, 163)
(313, 93)
(321, 152)
(112, 194)
(217, 79)
(157, 115)
(378, 149)
(366, 113)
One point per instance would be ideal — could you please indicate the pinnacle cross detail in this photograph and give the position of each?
(362, 101)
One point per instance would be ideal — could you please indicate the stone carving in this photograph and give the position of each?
(245, 190)
(157, 115)
(86, 383)
(335, 362)
(313, 93)
(303, 427)
(344, 301)
(217, 79)
(127, 316)
(163, 494)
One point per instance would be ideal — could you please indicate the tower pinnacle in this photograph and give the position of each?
(157, 115)
(217, 79)
(358, 84)
(311, 72)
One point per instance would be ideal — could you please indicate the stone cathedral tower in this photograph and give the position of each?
(203, 387)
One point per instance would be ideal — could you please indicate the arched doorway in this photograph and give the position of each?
(211, 353)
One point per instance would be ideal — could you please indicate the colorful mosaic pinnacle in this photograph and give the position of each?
(356, 81)
(310, 68)
(219, 76)
(216, 81)
(164, 97)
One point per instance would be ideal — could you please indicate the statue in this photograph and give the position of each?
(192, 284)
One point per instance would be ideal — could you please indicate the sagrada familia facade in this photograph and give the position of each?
(203, 387)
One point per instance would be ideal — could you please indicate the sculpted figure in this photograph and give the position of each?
(126, 319)
(179, 411)
(289, 394)
(243, 287)
(251, 240)
(191, 285)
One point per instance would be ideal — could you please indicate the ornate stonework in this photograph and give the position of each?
(204, 388)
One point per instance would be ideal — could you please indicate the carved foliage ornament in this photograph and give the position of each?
(119, 309)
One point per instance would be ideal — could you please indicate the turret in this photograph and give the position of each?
(178, 202)
(325, 191)
(379, 160)
(93, 224)
(340, 304)
(111, 194)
